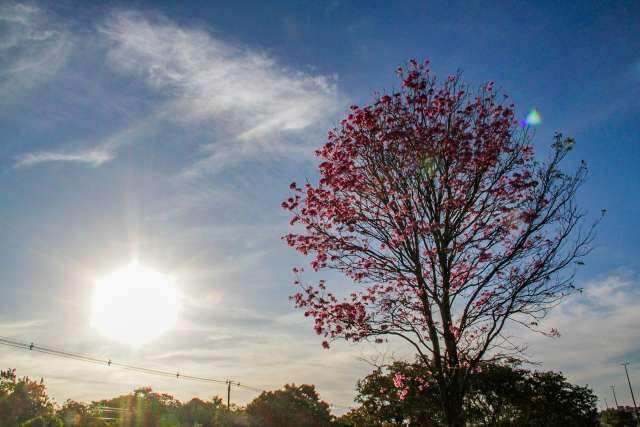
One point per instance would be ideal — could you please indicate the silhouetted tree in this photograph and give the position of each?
(142, 408)
(496, 396)
(22, 400)
(552, 401)
(617, 417)
(359, 417)
(206, 414)
(419, 405)
(74, 414)
(291, 406)
(499, 396)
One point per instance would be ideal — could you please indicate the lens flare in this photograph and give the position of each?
(533, 118)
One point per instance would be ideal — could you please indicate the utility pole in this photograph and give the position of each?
(613, 389)
(606, 403)
(631, 390)
(228, 395)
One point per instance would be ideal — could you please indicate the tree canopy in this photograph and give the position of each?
(290, 407)
(25, 403)
(23, 400)
(499, 395)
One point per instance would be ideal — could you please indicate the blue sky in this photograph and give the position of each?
(170, 130)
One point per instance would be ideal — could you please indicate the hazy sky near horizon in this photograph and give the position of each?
(169, 131)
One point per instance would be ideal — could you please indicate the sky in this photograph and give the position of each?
(168, 132)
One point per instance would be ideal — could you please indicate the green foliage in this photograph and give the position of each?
(145, 408)
(73, 414)
(44, 422)
(552, 401)
(383, 406)
(291, 406)
(617, 418)
(23, 401)
(505, 396)
(498, 396)
(358, 417)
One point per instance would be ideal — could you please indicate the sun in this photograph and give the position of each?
(134, 304)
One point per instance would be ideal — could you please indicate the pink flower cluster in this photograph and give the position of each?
(399, 383)
(394, 176)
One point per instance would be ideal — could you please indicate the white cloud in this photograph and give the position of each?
(239, 102)
(241, 91)
(599, 331)
(33, 48)
(101, 153)
(94, 158)
(10, 328)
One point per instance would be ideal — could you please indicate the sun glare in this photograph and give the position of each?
(134, 305)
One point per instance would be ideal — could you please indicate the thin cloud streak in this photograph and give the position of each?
(101, 153)
(11, 327)
(93, 158)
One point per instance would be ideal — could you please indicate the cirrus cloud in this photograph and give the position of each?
(33, 48)
(252, 101)
(93, 158)
(239, 102)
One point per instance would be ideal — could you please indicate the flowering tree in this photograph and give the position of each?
(431, 201)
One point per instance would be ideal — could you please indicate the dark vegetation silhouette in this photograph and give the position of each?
(500, 395)
(290, 407)
(618, 417)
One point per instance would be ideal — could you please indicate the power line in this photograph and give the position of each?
(7, 342)
(108, 362)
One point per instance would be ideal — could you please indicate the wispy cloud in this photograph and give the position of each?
(8, 328)
(599, 330)
(93, 158)
(247, 96)
(33, 48)
(102, 152)
(240, 103)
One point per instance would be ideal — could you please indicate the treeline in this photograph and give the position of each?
(394, 395)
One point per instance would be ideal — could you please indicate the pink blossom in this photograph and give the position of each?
(398, 380)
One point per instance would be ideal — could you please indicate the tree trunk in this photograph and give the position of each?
(453, 408)
(455, 416)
